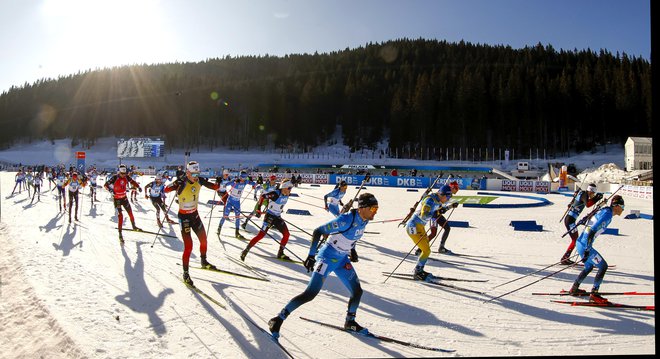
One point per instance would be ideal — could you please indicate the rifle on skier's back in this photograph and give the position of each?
(412, 209)
(597, 208)
(347, 207)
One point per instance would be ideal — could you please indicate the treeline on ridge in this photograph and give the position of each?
(415, 93)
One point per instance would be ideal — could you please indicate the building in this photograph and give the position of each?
(639, 153)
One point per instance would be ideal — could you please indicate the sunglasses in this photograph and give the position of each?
(373, 209)
(622, 206)
(194, 175)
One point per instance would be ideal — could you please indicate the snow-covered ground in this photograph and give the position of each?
(70, 290)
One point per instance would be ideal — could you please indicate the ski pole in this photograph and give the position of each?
(527, 285)
(209, 224)
(411, 249)
(569, 206)
(534, 272)
(278, 242)
(443, 226)
(307, 203)
(296, 227)
(160, 228)
(386, 220)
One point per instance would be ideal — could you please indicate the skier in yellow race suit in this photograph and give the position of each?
(187, 187)
(432, 208)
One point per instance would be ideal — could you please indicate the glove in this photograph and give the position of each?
(597, 197)
(258, 213)
(585, 256)
(354, 256)
(140, 189)
(455, 204)
(309, 263)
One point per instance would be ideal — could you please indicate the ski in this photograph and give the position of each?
(279, 259)
(445, 262)
(200, 292)
(439, 278)
(218, 270)
(249, 320)
(581, 266)
(565, 292)
(380, 337)
(464, 255)
(246, 266)
(148, 232)
(440, 284)
(606, 305)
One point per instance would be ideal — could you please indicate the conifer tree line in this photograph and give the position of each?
(418, 94)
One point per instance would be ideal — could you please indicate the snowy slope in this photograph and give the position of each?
(73, 291)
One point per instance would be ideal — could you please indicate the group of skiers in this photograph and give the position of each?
(333, 244)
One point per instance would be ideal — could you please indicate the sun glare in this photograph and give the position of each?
(93, 33)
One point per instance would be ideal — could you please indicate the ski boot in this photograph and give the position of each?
(565, 260)
(160, 224)
(594, 297)
(281, 256)
(169, 220)
(240, 236)
(274, 325)
(352, 326)
(576, 291)
(206, 264)
(245, 253)
(421, 274)
(219, 229)
(136, 228)
(244, 225)
(121, 239)
(186, 279)
(443, 250)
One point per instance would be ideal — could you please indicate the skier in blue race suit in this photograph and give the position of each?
(344, 231)
(590, 255)
(234, 201)
(335, 197)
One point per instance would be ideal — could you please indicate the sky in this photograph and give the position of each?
(52, 38)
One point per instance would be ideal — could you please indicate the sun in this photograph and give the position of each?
(90, 34)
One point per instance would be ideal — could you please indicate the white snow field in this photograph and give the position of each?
(71, 291)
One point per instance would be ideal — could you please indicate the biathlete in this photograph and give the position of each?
(581, 200)
(74, 184)
(431, 210)
(335, 197)
(590, 256)
(156, 192)
(187, 187)
(344, 232)
(276, 198)
(234, 201)
(119, 183)
(263, 188)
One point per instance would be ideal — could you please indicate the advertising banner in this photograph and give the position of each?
(526, 186)
(509, 185)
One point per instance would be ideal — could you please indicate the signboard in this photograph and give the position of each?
(80, 161)
(526, 186)
(140, 147)
(509, 185)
